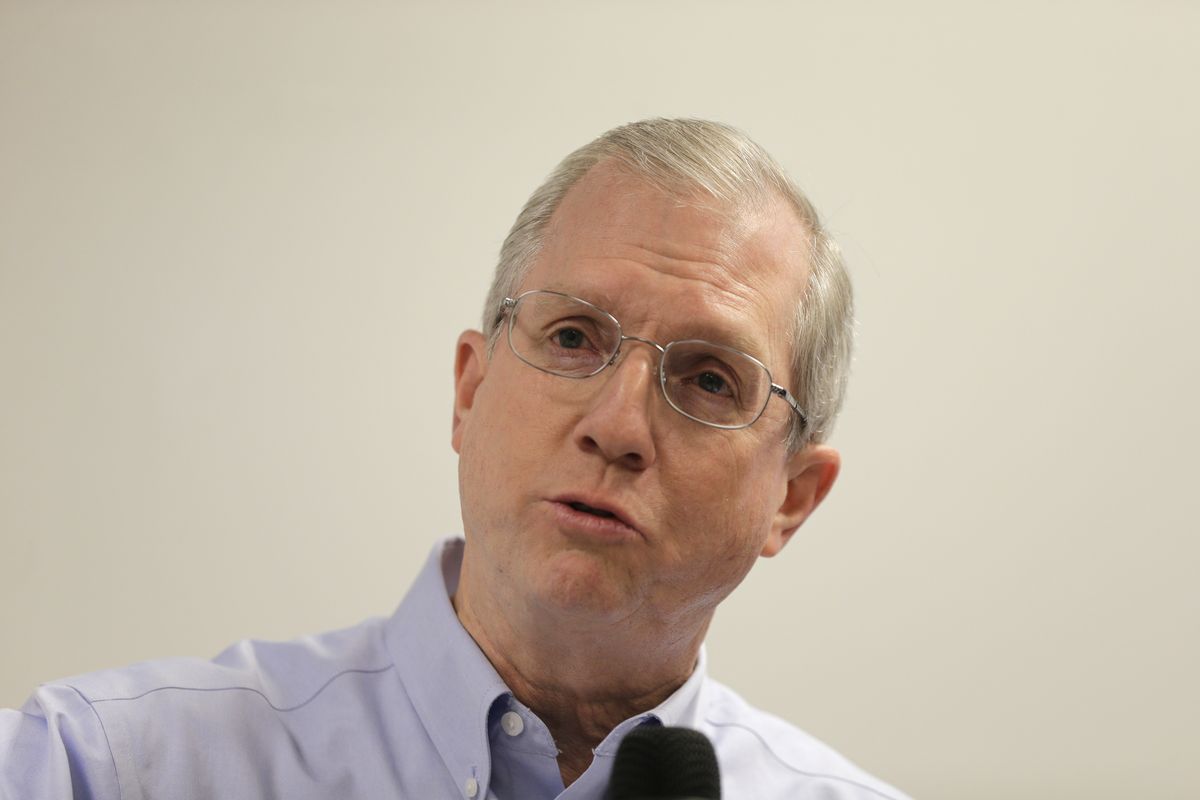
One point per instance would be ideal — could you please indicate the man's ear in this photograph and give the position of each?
(810, 475)
(470, 366)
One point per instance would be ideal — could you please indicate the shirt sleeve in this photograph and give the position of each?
(55, 748)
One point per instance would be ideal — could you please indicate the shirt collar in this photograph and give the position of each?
(453, 686)
(681, 709)
(451, 683)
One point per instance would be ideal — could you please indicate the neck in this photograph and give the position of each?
(581, 680)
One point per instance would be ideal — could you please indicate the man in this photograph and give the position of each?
(643, 416)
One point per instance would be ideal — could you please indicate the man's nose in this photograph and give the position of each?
(618, 422)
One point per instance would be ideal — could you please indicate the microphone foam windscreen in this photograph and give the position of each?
(662, 762)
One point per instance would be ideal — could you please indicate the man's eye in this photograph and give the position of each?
(712, 383)
(570, 338)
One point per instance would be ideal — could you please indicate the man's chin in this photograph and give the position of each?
(585, 585)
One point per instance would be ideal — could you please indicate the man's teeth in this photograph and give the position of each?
(599, 512)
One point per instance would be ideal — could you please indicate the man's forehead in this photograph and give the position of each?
(611, 192)
(610, 200)
(638, 251)
(611, 206)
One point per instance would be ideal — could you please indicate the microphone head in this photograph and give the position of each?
(662, 762)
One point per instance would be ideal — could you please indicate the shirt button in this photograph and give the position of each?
(472, 787)
(512, 723)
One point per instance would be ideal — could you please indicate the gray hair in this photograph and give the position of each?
(690, 157)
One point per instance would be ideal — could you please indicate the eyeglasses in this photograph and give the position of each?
(710, 383)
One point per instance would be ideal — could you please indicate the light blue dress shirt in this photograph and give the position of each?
(406, 708)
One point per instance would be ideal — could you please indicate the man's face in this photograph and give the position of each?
(695, 505)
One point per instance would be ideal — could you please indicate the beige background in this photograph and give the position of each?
(237, 242)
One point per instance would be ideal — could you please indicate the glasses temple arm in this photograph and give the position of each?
(791, 401)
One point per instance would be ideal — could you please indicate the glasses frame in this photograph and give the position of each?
(509, 304)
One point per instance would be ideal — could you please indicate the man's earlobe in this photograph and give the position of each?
(470, 366)
(811, 474)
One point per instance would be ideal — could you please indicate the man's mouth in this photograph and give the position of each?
(599, 512)
(615, 517)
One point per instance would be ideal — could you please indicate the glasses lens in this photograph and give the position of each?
(715, 384)
(562, 335)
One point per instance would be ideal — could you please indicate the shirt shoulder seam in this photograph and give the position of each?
(250, 689)
(107, 741)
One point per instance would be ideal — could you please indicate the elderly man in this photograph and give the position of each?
(644, 415)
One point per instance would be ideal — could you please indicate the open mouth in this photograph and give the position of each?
(602, 524)
(599, 512)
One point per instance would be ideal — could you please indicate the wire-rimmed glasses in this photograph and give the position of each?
(710, 383)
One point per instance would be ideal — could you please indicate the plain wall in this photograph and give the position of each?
(237, 242)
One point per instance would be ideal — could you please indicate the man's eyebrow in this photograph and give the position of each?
(709, 330)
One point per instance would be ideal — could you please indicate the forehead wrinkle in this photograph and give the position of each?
(649, 249)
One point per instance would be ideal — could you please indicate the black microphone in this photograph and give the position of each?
(661, 763)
